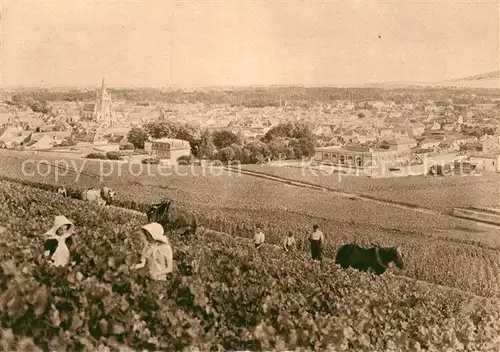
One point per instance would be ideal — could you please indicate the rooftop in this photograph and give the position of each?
(352, 148)
(402, 141)
(88, 107)
(485, 155)
(431, 140)
(179, 143)
(168, 140)
(326, 149)
(356, 148)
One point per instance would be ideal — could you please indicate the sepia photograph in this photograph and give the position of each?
(249, 175)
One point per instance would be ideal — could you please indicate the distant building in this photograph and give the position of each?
(488, 106)
(361, 157)
(366, 138)
(88, 137)
(436, 126)
(73, 119)
(473, 146)
(386, 133)
(117, 139)
(10, 136)
(402, 144)
(55, 136)
(448, 127)
(169, 149)
(323, 130)
(45, 142)
(429, 143)
(46, 128)
(487, 162)
(491, 144)
(101, 111)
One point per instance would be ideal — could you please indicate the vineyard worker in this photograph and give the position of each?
(317, 238)
(58, 240)
(259, 237)
(62, 191)
(157, 252)
(290, 244)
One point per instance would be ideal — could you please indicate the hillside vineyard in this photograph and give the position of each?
(222, 295)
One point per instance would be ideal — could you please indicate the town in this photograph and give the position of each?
(250, 176)
(379, 132)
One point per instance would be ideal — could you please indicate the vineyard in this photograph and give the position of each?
(438, 193)
(222, 189)
(468, 262)
(222, 295)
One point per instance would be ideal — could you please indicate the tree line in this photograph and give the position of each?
(29, 101)
(285, 141)
(268, 96)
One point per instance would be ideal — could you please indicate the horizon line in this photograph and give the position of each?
(439, 83)
(403, 82)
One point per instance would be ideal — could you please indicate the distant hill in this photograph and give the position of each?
(483, 80)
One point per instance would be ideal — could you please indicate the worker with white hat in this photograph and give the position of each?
(58, 240)
(157, 252)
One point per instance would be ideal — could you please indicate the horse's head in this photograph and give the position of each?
(151, 212)
(157, 211)
(397, 257)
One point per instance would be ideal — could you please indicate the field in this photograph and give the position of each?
(440, 250)
(438, 193)
(221, 296)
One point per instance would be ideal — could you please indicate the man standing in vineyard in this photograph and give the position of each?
(290, 244)
(259, 237)
(317, 238)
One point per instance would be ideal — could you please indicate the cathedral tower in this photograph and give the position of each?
(104, 111)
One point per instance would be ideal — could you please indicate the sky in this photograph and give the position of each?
(207, 43)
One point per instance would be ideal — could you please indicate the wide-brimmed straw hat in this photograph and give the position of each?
(59, 221)
(156, 231)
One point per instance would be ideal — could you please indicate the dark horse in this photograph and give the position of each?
(375, 258)
(182, 221)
